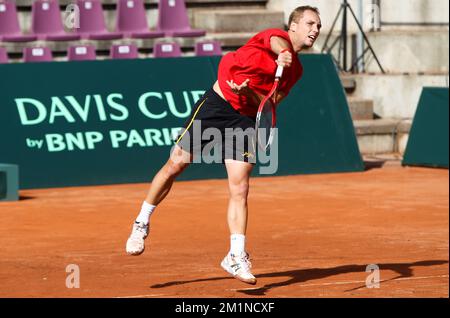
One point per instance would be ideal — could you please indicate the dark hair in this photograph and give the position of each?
(298, 13)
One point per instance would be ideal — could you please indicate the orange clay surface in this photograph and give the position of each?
(308, 236)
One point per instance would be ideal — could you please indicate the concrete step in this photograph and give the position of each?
(230, 41)
(382, 136)
(360, 109)
(349, 84)
(375, 161)
(250, 20)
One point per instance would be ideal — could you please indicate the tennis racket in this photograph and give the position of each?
(266, 118)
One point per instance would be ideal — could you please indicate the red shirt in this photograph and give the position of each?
(256, 61)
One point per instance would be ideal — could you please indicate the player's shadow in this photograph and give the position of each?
(24, 197)
(403, 270)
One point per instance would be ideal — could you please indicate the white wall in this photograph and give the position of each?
(415, 11)
(395, 96)
(399, 49)
(410, 51)
(328, 11)
(399, 11)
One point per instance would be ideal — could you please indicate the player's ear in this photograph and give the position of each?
(293, 26)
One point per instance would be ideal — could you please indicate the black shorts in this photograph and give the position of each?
(216, 131)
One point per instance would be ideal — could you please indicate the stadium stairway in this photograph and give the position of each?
(375, 135)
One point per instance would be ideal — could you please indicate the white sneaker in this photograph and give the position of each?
(135, 243)
(239, 267)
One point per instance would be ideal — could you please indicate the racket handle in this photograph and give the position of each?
(279, 72)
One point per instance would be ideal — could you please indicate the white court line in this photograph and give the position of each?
(245, 289)
(142, 296)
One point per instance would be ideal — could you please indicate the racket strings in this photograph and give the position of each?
(265, 125)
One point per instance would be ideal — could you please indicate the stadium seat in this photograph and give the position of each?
(132, 20)
(124, 51)
(3, 56)
(92, 22)
(173, 19)
(47, 23)
(37, 54)
(166, 50)
(9, 24)
(81, 53)
(208, 48)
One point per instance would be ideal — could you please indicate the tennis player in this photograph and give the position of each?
(244, 78)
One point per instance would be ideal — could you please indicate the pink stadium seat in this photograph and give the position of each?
(92, 22)
(166, 50)
(81, 53)
(3, 56)
(47, 23)
(9, 24)
(124, 51)
(132, 20)
(173, 19)
(208, 48)
(37, 54)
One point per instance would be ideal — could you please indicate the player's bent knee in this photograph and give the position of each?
(179, 155)
(173, 169)
(239, 190)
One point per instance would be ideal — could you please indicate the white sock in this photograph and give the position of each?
(146, 212)
(237, 246)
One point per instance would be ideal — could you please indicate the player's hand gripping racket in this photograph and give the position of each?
(266, 118)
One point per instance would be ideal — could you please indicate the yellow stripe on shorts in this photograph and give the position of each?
(192, 120)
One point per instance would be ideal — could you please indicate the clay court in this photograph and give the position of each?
(309, 236)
